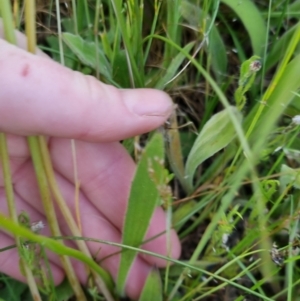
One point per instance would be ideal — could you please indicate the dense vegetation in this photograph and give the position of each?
(231, 146)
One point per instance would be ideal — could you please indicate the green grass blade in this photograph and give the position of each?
(135, 17)
(153, 287)
(279, 48)
(6, 15)
(135, 74)
(257, 30)
(143, 199)
(218, 53)
(173, 67)
(173, 29)
(280, 98)
(121, 74)
(193, 14)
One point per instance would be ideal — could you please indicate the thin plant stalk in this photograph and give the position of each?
(50, 213)
(38, 165)
(67, 214)
(135, 78)
(172, 29)
(13, 213)
(75, 17)
(168, 239)
(16, 12)
(75, 230)
(157, 5)
(59, 248)
(62, 61)
(5, 8)
(8, 21)
(77, 185)
(96, 34)
(293, 229)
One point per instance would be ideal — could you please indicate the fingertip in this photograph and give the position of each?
(148, 102)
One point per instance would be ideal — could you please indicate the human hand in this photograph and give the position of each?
(41, 97)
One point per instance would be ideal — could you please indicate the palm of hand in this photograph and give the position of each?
(105, 171)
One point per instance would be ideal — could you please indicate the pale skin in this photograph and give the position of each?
(41, 97)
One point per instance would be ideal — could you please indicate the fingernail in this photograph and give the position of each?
(148, 102)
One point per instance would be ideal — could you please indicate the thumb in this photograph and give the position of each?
(39, 96)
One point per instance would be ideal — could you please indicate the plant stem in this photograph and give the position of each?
(50, 212)
(38, 164)
(5, 8)
(13, 212)
(67, 214)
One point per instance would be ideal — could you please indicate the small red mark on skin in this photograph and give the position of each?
(25, 70)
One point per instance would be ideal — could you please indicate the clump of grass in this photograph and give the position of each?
(235, 171)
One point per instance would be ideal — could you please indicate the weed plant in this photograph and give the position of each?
(231, 147)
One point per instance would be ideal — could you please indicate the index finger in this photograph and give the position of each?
(39, 96)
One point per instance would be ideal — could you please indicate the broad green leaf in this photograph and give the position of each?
(121, 74)
(152, 290)
(216, 134)
(12, 290)
(70, 59)
(143, 199)
(173, 67)
(68, 25)
(86, 53)
(253, 21)
(64, 291)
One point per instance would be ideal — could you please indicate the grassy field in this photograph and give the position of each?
(231, 147)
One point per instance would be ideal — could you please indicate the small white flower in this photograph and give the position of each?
(277, 149)
(296, 119)
(37, 226)
(225, 238)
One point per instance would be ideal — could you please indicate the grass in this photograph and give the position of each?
(232, 144)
